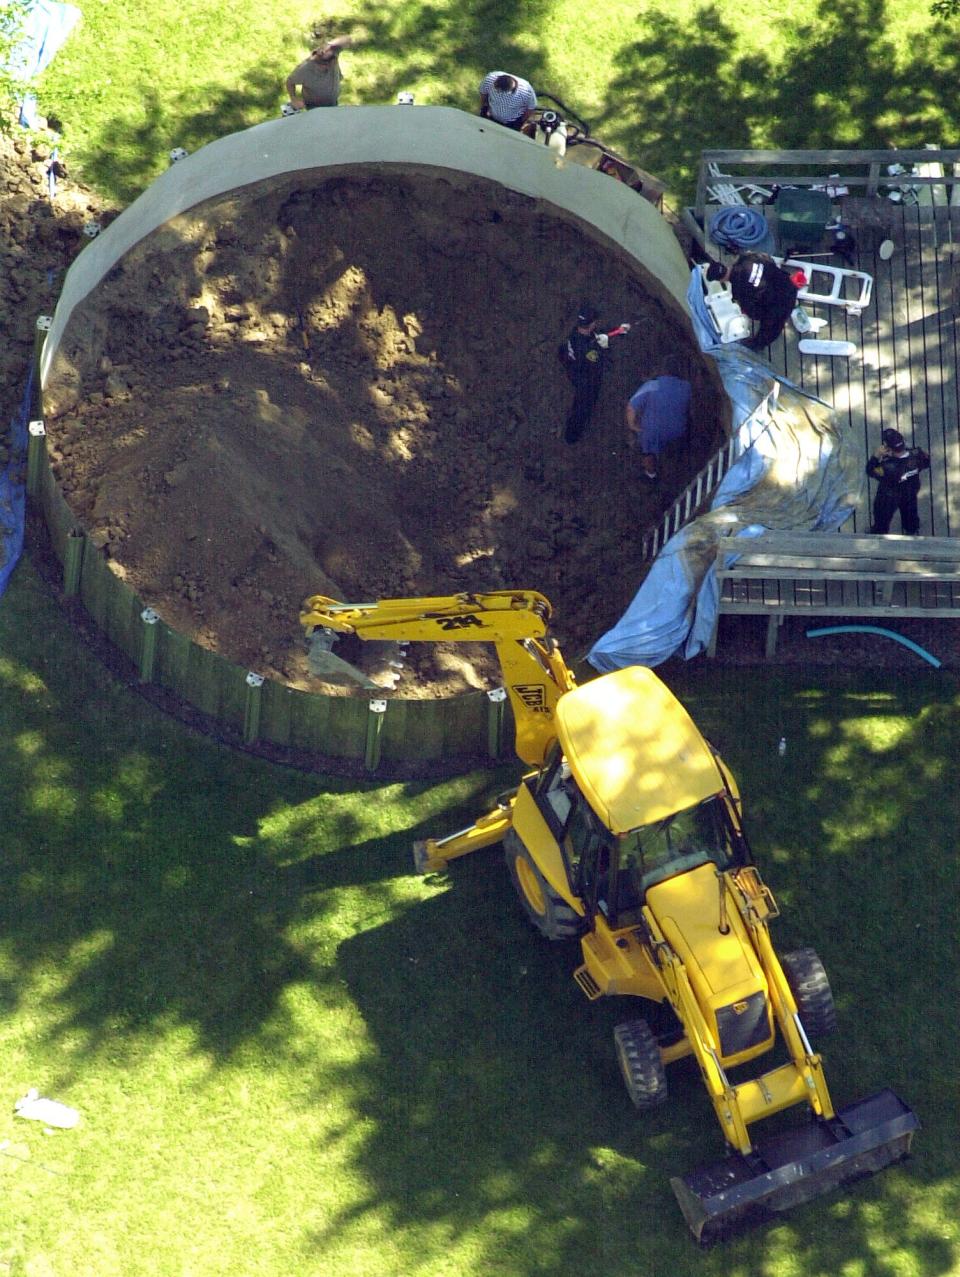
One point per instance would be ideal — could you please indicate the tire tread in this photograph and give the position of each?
(641, 1065)
(811, 992)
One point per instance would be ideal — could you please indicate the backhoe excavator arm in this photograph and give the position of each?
(514, 621)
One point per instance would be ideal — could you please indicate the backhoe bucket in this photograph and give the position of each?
(795, 1166)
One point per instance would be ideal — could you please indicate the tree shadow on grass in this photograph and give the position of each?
(839, 82)
(685, 85)
(454, 47)
(681, 88)
(201, 940)
(843, 81)
(133, 148)
(153, 878)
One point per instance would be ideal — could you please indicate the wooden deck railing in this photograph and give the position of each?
(816, 574)
(755, 167)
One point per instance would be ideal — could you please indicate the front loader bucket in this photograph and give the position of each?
(795, 1166)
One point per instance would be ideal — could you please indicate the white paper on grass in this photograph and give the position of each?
(38, 1108)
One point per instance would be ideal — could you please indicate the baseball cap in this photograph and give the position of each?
(892, 438)
(587, 314)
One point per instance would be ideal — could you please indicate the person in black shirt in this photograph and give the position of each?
(582, 356)
(764, 292)
(897, 469)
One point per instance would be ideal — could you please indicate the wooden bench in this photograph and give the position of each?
(780, 574)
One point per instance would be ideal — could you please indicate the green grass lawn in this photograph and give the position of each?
(293, 1056)
(660, 79)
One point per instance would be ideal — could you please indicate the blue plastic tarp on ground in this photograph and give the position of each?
(45, 30)
(12, 504)
(793, 469)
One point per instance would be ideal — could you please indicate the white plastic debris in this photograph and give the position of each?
(838, 349)
(805, 323)
(37, 1108)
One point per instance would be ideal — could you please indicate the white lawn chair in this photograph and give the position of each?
(728, 193)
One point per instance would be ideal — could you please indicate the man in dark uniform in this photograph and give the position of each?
(582, 356)
(764, 292)
(897, 471)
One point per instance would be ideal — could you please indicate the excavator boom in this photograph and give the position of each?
(492, 617)
(514, 621)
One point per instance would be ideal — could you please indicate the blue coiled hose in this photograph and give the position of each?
(740, 228)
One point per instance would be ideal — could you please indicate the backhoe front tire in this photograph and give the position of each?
(546, 909)
(638, 1055)
(811, 991)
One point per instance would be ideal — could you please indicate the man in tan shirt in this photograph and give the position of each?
(318, 76)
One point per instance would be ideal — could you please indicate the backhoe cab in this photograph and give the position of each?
(627, 834)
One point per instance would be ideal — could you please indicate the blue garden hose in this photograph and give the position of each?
(877, 629)
(740, 228)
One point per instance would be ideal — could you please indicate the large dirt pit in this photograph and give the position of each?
(351, 387)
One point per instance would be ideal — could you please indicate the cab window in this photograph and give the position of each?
(574, 825)
(683, 841)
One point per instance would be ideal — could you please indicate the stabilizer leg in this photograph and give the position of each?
(433, 854)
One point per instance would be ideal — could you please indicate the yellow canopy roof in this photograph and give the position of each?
(633, 749)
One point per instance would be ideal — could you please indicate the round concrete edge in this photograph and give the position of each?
(427, 137)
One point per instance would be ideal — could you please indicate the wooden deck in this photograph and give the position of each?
(904, 373)
(819, 574)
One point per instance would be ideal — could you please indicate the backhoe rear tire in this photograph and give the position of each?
(638, 1055)
(811, 991)
(546, 909)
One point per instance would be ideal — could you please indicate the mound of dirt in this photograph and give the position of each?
(351, 388)
(39, 237)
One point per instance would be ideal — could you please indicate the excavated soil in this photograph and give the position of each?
(39, 238)
(352, 388)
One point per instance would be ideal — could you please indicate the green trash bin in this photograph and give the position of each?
(802, 216)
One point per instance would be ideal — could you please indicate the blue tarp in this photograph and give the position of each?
(12, 478)
(793, 469)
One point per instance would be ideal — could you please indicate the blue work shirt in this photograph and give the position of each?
(662, 405)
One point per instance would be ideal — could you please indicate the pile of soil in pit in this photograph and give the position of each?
(351, 387)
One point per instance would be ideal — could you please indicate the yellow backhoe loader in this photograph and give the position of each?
(627, 834)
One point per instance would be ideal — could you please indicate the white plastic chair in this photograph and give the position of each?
(728, 193)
